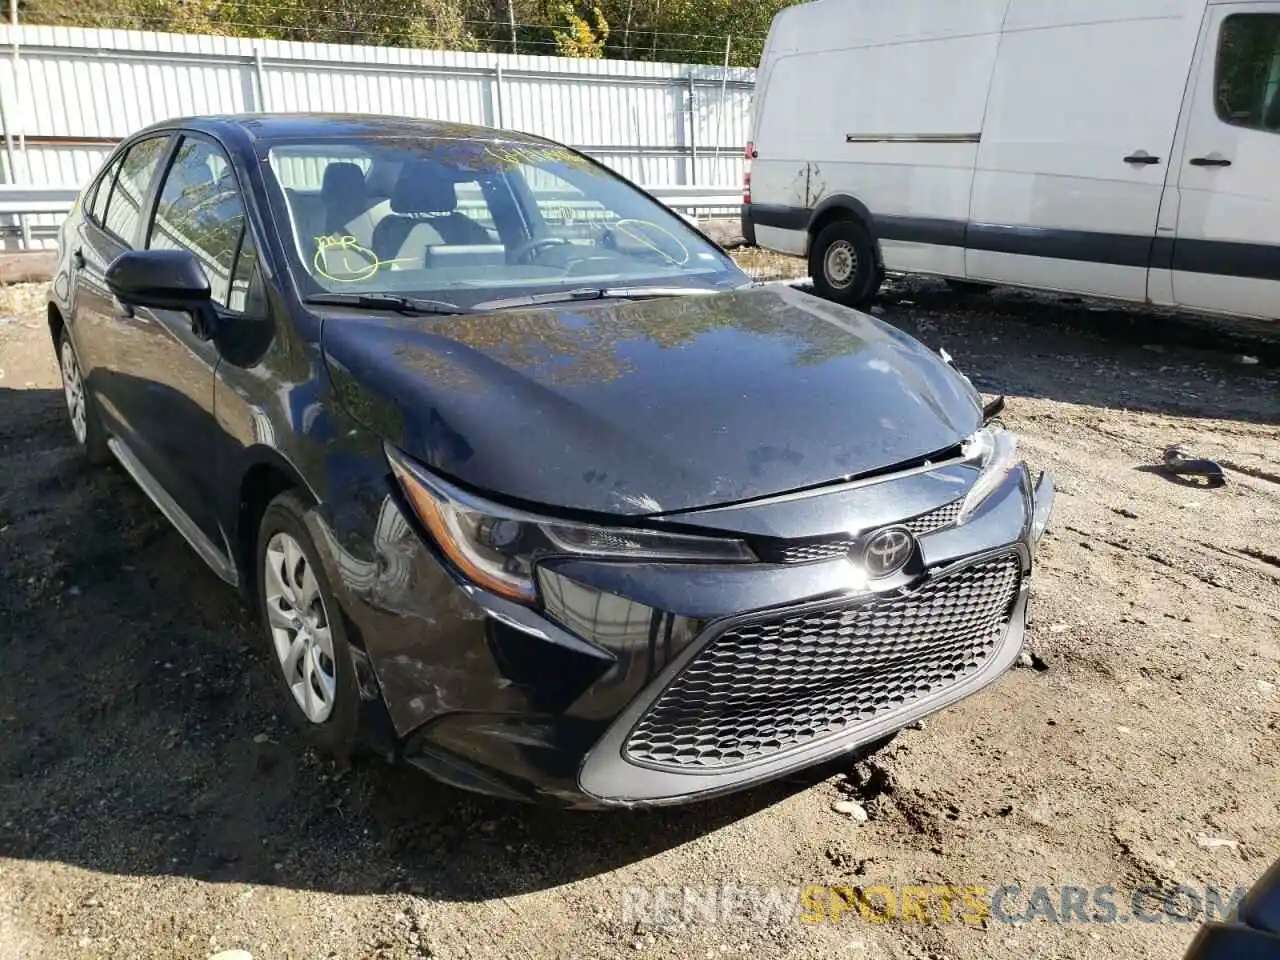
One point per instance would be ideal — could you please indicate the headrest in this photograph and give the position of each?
(342, 179)
(380, 181)
(424, 187)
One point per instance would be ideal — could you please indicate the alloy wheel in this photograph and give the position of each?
(299, 625)
(73, 390)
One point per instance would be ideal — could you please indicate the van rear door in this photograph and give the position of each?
(1079, 128)
(1226, 255)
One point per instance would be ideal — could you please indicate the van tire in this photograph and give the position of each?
(843, 264)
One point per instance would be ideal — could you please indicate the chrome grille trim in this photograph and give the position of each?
(943, 516)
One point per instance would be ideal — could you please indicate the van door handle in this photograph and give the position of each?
(1212, 160)
(1141, 157)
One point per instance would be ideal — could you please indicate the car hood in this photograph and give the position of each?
(651, 406)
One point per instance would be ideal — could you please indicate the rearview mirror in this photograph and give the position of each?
(163, 280)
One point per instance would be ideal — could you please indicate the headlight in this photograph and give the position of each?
(496, 546)
(997, 451)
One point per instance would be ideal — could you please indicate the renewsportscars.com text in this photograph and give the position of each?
(972, 904)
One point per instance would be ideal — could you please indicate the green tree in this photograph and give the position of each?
(579, 38)
(692, 31)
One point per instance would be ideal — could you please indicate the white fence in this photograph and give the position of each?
(67, 95)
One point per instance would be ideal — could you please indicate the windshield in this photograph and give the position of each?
(468, 220)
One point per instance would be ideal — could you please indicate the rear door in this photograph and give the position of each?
(102, 330)
(1226, 256)
(92, 247)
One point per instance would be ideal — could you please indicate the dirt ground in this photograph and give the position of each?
(152, 805)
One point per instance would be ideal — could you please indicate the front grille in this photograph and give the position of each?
(762, 688)
(943, 516)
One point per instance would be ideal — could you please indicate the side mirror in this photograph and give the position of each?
(1253, 933)
(164, 280)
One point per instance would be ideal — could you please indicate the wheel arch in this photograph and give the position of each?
(57, 323)
(841, 207)
(267, 474)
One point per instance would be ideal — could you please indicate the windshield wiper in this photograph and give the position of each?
(385, 301)
(593, 293)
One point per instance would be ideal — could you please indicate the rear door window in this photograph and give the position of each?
(124, 212)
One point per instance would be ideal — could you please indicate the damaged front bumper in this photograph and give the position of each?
(642, 684)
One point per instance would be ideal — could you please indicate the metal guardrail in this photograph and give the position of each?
(17, 199)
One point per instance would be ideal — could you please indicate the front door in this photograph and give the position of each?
(198, 208)
(1226, 255)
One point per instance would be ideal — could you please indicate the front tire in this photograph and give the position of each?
(305, 635)
(843, 264)
(86, 427)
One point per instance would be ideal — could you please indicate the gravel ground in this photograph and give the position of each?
(152, 804)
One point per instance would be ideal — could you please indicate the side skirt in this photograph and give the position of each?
(217, 559)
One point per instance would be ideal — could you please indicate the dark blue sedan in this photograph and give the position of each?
(532, 488)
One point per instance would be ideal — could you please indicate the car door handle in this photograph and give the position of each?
(1141, 158)
(1212, 160)
(77, 258)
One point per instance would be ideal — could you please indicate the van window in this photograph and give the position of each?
(1248, 74)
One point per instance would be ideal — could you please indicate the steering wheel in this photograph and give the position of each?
(525, 251)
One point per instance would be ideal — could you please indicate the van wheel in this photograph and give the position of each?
(842, 262)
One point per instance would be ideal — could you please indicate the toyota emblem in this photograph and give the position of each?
(887, 551)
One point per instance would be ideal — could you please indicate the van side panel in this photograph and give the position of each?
(1225, 257)
(1055, 203)
(878, 102)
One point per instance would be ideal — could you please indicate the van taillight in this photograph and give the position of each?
(748, 155)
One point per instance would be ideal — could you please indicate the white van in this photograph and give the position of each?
(1116, 148)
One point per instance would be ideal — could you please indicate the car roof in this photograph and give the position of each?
(250, 127)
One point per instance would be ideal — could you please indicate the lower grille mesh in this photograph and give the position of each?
(762, 688)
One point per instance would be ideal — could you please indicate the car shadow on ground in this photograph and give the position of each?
(140, 735)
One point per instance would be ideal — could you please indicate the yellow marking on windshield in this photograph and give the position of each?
(368, 262)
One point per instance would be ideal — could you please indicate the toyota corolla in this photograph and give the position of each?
(532, 487)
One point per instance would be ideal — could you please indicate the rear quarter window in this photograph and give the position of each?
(100, 192)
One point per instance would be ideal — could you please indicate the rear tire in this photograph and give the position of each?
(305, 635)
(843, 264)
(82, 412)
